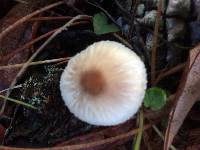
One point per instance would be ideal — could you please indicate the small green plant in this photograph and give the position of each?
(155, 98)
(138, 137)
(101, 24)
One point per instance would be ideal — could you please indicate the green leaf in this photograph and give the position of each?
(155, 98)
(101, 24)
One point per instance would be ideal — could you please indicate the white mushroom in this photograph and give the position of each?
(104, 84)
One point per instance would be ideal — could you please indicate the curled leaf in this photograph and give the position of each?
(186, 96)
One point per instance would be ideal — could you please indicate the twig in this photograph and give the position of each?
(123, 40)
(123, 10)
(106, 141)
(162, 136)
(34, 63)
(27, 45)
(147, 140)
(133, 18)
(141, 43)
(22, 20)
(181, 47)
(155, 39)
(90, 144)
(18, 102)
(50, 18)
(35, 27)
(80, 23)
(60, 63)
(169, 72)
(25, 66)
(141, 128)
(16, 87)
(21, 1)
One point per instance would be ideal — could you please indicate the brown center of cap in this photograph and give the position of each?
(92, 82)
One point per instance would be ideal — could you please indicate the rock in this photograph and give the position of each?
(140, 10)
(152, 4)
(123, 25)
(194, 28)
(149, 41)
(179, 8)
(174, 54)
(120, 21)
(197, 9)
(175, 29)
(125, 29)
(149, 18)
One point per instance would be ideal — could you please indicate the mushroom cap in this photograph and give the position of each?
(104, 84)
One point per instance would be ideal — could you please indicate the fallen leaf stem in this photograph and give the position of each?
(27, 45)
(34, 63)
(154, 45)
(170, 72)
(140, 132)
(162, 136)
(50, 18)
(17, 102)
(15, 87)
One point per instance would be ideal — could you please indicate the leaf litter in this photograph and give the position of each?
(40, 125)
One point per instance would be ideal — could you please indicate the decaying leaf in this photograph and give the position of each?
(21, 34)
(187, 95)
(13, 40)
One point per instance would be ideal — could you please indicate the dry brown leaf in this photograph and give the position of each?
(9, 42)
(187, 95)
(192, 147)
(20, 34)
(13, 40)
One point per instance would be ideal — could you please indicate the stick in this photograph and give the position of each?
(25, 18)
(155, 39)
(27, 45)
(34, 63)
(170, 72)
(16, 87)
(87, 145)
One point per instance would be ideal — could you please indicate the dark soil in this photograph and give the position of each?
(50, 124)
